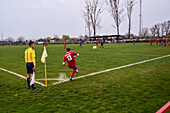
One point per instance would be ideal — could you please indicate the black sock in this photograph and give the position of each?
(28, 82)
(32, 86)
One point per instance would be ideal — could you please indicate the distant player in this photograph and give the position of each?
(97, 43)
(157, 42)
(102, 44)
(64, 45)
(70, 58)
(30, 64)
(133, 41)
(167, 41)
(151, 42)
(160, 41)
(80, 44)
(164, 41)
(119, 42)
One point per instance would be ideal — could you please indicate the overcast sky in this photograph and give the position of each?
(42, 18)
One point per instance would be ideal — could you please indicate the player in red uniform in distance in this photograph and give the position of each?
(151, 42)
(97, 43)
(119, 42)
(157, 41)
(162, 41)
(70, 58)
(167, 41)
(64, 45)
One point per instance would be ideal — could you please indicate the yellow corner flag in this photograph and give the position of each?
(43, 59)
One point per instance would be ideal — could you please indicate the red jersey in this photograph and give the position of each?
(157, 41)
(167, 40)
(64, 45)
(97, 42)
(69, 57)
(150, 40)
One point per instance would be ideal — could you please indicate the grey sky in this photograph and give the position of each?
(42, 18)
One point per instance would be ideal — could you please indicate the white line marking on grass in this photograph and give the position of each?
(121, 53)
(113, 69)
(20, 76)
(50, 79)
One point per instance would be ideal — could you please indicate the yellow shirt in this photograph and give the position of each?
(30, 56)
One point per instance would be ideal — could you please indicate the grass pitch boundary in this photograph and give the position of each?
(21, 76)
(112, 69)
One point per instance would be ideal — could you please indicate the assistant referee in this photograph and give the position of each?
(30, 64)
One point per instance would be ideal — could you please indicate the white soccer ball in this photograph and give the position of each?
(94, 47)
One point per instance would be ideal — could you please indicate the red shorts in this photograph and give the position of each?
(73, 67)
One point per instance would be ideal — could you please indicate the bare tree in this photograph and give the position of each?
(116, 11)
(153, 30)
(20, 39)
(94, 8)
(162, 27)
(157, 29)
(9, 39)
(86, 15)
(145, 32)
(129, 7)
(167, 27)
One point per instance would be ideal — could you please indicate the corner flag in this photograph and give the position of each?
(43, 59)
(44, 55)
(33, 79)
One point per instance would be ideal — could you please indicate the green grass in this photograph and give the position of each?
(140, 88)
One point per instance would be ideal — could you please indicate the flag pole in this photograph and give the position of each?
(45, 73)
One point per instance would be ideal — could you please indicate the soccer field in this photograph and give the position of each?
(140, 88)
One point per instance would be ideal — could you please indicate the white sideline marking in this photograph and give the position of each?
(50, 79)
(20, 76)
(122, 53)
(112, 69)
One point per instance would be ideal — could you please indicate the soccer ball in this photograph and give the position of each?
(94, 47)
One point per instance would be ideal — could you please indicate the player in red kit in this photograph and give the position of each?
(167, 41)
(70, 58)
(97, 43)
(157, 41)
(64, 45)
(151, 42)
(119, 42)
(162, 41)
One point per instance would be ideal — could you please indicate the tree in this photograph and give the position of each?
(93, 11)
(65, 37)
(41, 39)
(157, 29)
(167, 27)
(48, 38)
(116, 12)
(86, 15)
(145, 32)
(129, 8)
(20, 39)
(162, 26)
(9, 39)
(153, 30)
(81, 37)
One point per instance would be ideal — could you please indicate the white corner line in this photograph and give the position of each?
(21, 76)
(95, 73)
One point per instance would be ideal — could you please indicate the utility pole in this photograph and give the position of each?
(140, 19)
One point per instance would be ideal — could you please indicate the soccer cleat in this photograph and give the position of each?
(71, 79)
(35, 89)
(29, 88)
(77, 72)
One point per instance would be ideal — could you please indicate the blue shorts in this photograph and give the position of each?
(29, 67)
